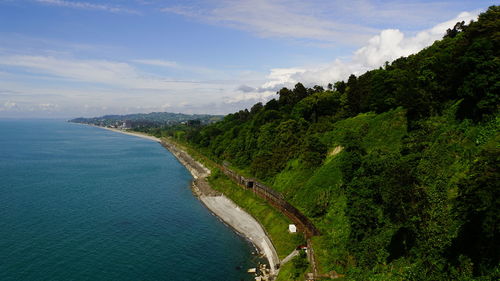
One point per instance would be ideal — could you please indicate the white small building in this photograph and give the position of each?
(292, 228)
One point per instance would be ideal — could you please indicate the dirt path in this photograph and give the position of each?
(290, 257)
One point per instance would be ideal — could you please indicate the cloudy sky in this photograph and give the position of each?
(64, 58)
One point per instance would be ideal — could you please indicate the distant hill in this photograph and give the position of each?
(148, 119)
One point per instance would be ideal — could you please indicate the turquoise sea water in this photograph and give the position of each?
(83, 203)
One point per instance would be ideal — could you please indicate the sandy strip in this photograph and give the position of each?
(244, 224)
(221, 206)
(137, 134)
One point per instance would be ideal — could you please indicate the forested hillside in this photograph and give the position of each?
(398, 167)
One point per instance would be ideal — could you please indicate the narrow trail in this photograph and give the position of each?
(288, 258)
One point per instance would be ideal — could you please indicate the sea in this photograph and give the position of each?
(83, 203)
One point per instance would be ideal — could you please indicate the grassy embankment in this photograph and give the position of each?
(318, 193)
(321, 194)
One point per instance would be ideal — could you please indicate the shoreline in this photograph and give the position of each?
(217, 203)
(137, 134)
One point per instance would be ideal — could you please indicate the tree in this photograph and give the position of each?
(272, 105)
(286, 97)
(290, 97)
(313, 152)
(339, 86)
(300, 92)
(478, 206)
(353, 96)
(256, 108)
(459, 27)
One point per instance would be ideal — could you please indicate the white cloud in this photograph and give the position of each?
(87, 6)
(48, 84)
(9, 105)
(161, 63)
(246, 89)
(116, 74)
(48, 106)
(174, 65)
(411, 14)
(350, 22)
(267, 18)
(390, 44)
(81, 70)
(280, 76)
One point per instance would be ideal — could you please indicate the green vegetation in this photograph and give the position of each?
(287, 272)
(294, 269)
(398, 167)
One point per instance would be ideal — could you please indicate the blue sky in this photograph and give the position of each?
(62, 58)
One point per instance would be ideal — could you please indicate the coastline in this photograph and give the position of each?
(137, 134)
(218, 204)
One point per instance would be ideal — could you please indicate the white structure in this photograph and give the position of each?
(292, 228)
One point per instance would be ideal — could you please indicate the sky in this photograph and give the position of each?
(64, 59)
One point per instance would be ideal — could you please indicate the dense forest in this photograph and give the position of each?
(398, 167)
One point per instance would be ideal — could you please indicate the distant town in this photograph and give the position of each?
(154, 119)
